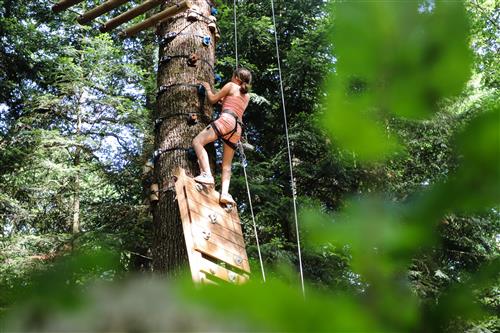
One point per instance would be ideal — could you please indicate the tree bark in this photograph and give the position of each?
(174, 132)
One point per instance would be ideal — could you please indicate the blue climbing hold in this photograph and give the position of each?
(201, 90)
(206, 40)
(214, 11)
(218, 78)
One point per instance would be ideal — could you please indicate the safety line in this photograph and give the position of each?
(235, 34)
(244, 160)
(244, 164)
(292, 179)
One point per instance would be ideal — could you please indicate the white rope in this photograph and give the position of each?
(235, 34)
(292, 179)
(244, 160)
(244, 163)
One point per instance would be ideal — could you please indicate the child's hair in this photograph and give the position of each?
(245, 77)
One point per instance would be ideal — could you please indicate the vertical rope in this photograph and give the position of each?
(244, 163)
(235, 34)
(292, 179)
(243, 157)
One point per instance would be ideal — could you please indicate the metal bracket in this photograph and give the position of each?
(238, 260)
(198, 187)
(213, 218)
(228, 208)
(206, 234)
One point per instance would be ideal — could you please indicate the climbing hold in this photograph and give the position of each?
(214, 11)
(206, 234)
(192, 154)
(147, 168)
(165, 59)
(192, 119)
(238, 260)
(193, 14)
(193, 59)
(213, 218)
(154, 189)
(198, 187)
(206, 40)
(228, 208)
(201, 90)
(232, 277)
(157, 153)
(218, 78)
(212, 25)
(168, 38)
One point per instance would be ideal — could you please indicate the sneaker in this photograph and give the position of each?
(204, 178)
(227, 199)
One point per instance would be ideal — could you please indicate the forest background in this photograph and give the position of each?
(394, 123)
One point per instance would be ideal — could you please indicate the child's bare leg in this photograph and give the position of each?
(227, 159)
(206, 136)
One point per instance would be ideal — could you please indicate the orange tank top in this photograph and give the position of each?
(237, 104)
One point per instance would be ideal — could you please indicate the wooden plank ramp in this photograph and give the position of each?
(213, 234)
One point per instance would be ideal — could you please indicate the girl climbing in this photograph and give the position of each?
(228, 127)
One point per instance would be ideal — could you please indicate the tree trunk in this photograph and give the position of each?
(174, 132)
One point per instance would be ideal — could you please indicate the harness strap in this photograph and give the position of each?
(231, 132)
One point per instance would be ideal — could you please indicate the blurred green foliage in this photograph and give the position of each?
(392, 59)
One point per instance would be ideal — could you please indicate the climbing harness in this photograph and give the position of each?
(223, 136)
(292, 179)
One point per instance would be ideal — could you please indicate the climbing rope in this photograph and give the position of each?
(292, 179)
(235, 34)
(244, 164)
(244, 159)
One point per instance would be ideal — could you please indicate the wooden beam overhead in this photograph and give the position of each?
(155, 19)
(99, 10)
(64, 4)
(128, 15)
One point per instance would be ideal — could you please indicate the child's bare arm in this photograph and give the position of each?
(214, 98)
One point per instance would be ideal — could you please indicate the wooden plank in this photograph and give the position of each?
(204, 206)
(204, 212)
(221, 242)
(193, 255)
(211, 197)
(155, 19)
(211, 249)
(129, 14)
(218, 229)
(64, 4)
(236, 223)
(99, 10)
(224, 242)
(222, 273)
